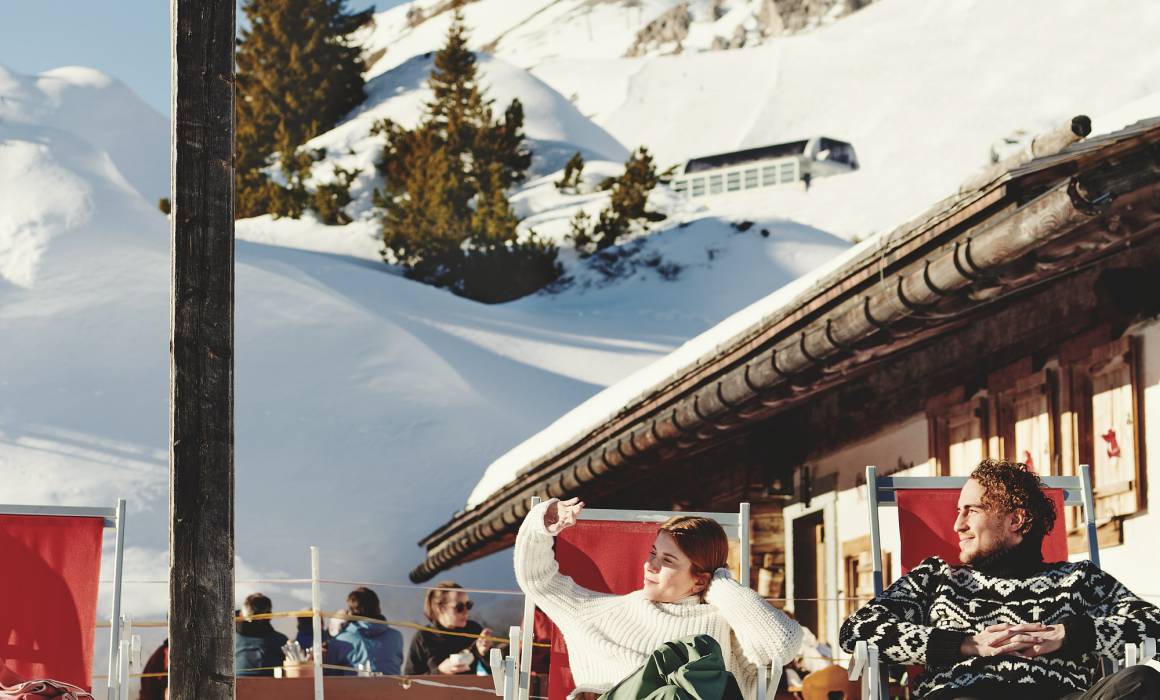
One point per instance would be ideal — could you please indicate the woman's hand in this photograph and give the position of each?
(562, 515)
(484, 643)
(451, 666)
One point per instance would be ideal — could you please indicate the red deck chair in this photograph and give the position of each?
(926, 514)
(48, 593)
(604, 552)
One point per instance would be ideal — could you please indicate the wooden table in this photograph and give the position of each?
(370, 688)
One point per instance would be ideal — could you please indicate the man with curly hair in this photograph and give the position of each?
(1005, 624)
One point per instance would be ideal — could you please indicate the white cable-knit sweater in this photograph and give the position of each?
(610, 636)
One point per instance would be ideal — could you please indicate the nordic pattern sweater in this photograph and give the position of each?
(611, 636)
(924, 617)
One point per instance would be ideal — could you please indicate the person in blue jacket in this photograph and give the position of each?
(257, 645)
(362, 641)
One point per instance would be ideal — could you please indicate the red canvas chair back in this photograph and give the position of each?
(48, 595)
(600, 555)
(926, 527)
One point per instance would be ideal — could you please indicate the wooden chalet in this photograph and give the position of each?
(1017, 318)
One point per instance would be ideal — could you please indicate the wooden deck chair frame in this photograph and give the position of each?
(881, 492)
(119, 648)
(507, 685)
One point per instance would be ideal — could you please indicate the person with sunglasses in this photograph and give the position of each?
(456, 645)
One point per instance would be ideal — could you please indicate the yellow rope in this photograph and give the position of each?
(339, 616)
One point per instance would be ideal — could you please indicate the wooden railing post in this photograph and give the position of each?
(201, 487)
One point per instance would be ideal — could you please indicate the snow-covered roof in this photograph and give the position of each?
(652, 378)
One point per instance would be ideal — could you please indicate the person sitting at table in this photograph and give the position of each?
(365, 640)
(455, 638)
(257, 645)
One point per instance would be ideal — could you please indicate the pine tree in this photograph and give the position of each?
(493, 222)
(573, 169)
(628, 202)
(421, 230)
(298, 74)
(580, 233)
(446, 216)
(330, 199)
(454, 78)
(630, 194)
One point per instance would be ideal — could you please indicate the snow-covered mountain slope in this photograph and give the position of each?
(529, 32)
(921, 89)
(99, 109)
(553, 128)
(367, 404)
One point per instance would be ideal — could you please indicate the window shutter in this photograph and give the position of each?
(1033, 424)
(1026, 422)
(1113, 429)
(958, 433)
(966, 438)
(859, 568)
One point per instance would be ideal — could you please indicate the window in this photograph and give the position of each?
(751, 178)
(958, 433)
(1110, 425)
(1082, 408)
(769, 175)
(680, 186)
(858, 573)
(715, 184)
(699, 187)
(788, 171)
(1025, 421)
(733, 181)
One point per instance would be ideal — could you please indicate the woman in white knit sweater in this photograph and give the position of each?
(686, 590)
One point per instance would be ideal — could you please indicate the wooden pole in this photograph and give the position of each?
(201, 486)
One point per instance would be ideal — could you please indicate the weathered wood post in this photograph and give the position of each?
(201, 486)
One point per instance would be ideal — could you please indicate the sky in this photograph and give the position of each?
(128, 39)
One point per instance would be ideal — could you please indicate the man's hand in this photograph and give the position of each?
(1041, 639)
(562, 515)
(1026, 640)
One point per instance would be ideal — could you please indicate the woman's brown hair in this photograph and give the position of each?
(701, 539)
(443, 592)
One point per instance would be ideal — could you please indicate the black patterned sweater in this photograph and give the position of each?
(924, 617)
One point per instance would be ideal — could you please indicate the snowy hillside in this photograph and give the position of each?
(99, 109)
(367, 404)
(529, 32)
(921, 89)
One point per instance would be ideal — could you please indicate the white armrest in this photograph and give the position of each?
(864, 665)
(497, 671)
(1140, 653)
(858, 661)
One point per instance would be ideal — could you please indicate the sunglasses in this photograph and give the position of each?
(460, 607)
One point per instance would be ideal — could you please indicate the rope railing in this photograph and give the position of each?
(481, 591)
(340, 616)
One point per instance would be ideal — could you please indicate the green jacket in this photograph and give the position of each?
(690, 668)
